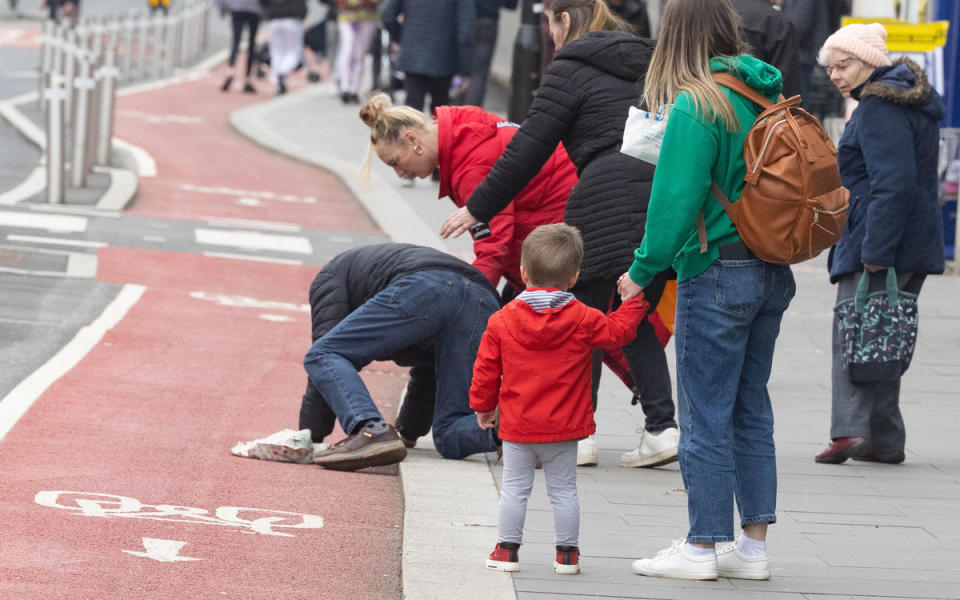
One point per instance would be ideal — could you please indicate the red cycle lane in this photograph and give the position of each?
(205, 169)
(121, 474)
(118, 482)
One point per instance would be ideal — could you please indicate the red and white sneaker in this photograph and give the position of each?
(505, 557)
(568, 560)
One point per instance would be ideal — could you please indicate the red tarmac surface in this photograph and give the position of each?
(136, 437)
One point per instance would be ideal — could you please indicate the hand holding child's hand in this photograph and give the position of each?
(486, 419)
(627, 288)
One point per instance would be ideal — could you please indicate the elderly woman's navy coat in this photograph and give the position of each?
(888, 160)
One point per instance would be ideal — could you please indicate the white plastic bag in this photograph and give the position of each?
(643, 133)
(287, 446)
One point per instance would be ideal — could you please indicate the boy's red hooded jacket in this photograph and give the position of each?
(470, 140)
(536, 365)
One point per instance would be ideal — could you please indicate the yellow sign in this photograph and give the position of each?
(903, 36)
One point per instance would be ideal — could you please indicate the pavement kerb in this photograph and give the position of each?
(386, 207)
(450, 506)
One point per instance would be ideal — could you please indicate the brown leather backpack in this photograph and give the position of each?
(793, 205)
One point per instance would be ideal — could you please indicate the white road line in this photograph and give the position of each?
(32, 239)
(282, 261)
(81, 265)
(58, 223)
(35, 183)
(247, 194)
(15, 404)
(159, 239)
(340, 239)
(254, 240)
(275, 225)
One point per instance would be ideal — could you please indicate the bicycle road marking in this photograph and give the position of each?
(95, 504)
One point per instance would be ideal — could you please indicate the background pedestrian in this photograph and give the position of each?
(243, 14)
(436, 44)
(356, 24)
(285, 20)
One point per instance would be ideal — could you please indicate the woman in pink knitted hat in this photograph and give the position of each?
(888, 160)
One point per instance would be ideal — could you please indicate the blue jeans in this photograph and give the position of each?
(728, 319)
(435, 305)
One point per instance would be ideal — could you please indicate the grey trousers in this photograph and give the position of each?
(870, 410)
(559, 469)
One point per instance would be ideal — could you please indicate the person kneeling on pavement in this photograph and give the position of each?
(417, 307)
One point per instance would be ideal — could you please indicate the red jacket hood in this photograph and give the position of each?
(546, 329)
(460, 130)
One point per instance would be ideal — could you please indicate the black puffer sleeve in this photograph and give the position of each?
(553, 111)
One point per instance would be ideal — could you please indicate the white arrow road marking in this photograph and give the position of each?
(162, 550)
(254, 239)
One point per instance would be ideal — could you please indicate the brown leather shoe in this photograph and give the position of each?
(841, 449)
(362, 450)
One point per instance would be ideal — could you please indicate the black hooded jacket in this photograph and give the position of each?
(583, 102)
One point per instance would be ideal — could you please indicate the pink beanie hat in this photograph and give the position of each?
(866, 42)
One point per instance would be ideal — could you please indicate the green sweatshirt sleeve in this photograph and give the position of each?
(680, 185)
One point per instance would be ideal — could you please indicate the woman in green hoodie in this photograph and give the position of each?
(729, 303)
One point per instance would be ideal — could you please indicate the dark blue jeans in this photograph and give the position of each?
(436, 305)
(728, 319)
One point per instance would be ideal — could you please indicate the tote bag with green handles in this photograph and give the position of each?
(878, 331)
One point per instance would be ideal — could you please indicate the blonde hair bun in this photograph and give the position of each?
(373, 110)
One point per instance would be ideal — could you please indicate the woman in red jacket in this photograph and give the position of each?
(463, 143)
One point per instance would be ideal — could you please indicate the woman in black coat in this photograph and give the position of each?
(583, 102)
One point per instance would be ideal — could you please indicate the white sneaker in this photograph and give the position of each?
(654, 449)
(587, 451)
(736, 565)
(675, 563)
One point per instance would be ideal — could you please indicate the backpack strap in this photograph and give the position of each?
(701, 222)
(729, 81)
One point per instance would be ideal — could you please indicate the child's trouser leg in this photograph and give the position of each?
(519, 461)
(560, 470)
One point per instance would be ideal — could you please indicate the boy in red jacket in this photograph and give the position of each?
(534, 362)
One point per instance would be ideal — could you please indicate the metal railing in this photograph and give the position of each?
(81, 68)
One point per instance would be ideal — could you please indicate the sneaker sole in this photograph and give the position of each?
(497, 565)
(374, 455)
(566, 569)
(587, 462)
(744, 575)
(676, 574)
(657, 460)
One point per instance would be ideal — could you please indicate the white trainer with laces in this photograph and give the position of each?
(654, 449)
(675, 563)
(734, 564)
(587, 451)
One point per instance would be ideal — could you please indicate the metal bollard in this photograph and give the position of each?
(83, 84)
(170, 44)
(125, 42)
(142, 25)
(46, 58)
(156, 61)
(93, 114)
(69, 69)
(108, 89)
(54, 97)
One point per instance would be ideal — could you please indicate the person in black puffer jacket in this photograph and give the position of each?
(583, 101)
(415, 306)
